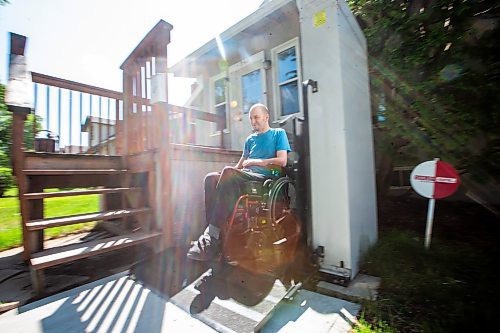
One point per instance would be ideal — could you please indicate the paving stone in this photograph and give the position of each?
(362, 287)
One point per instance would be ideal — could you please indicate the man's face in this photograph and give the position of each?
(259, 119)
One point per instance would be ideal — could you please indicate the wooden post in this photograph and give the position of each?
(118, 129)
(136, 136)
(127, 107)
(164, 173)
(19, 100)
(22, 182)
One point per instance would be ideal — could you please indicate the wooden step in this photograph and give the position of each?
(88, 217)
(72, 252)
(46, 195)
(73, 172)
(47, 161)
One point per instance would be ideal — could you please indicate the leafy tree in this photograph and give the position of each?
(6, 130)
(434, 73)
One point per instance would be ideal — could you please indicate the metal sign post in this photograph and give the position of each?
(430, 219)
(434, 180)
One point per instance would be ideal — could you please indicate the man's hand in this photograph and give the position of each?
(254, 162)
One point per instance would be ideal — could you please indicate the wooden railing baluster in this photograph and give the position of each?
(80, 122)
(99, 122)
(58, 113)
(70, 117)
(47, 103)
(108, 125)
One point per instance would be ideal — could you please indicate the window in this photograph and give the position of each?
(220, 99)
(251, 87)
(287, 78)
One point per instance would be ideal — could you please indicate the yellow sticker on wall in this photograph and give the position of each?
(319, 18)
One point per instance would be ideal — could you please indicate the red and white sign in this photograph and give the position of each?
(434, 179)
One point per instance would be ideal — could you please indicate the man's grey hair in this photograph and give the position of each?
(259, 105)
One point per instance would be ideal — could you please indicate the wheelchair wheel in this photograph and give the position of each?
(282, 198)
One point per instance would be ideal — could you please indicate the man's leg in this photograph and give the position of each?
(227, 191)
(210, 183)
(229, 188)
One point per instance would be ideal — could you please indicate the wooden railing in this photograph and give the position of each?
(186, 118)
(88, 119)
(80, 117)
(145, 75)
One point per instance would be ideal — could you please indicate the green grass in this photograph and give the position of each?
(363, 326)
(450, 287)
(10, 218)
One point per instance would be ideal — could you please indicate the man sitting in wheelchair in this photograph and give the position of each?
(230, 214)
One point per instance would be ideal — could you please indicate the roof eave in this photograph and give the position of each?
(179, 68)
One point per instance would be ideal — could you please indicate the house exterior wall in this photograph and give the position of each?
(270, 32)
(106, 132)
(359, 137)
(105, 144)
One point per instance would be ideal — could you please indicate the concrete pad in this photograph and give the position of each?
(113, 304)
(231, 300)
(362, 287)
(312, 312)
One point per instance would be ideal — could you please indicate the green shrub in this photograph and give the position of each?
(6, 180)
(4, 160)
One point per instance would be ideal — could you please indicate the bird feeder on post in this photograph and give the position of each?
(19, 92)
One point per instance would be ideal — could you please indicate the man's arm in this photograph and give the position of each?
(239, 165)
(279, 160)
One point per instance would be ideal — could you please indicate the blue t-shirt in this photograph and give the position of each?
(265, 145)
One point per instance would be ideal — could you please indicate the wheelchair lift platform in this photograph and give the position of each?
(247, 306)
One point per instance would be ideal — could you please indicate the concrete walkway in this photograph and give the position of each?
(121, 304)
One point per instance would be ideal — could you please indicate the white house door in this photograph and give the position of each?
(247, 87)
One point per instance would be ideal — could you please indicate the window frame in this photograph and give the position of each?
(213, 105)
(244, 67)
(262, 85)
(275, 51)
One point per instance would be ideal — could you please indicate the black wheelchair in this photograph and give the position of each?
(263, 230)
